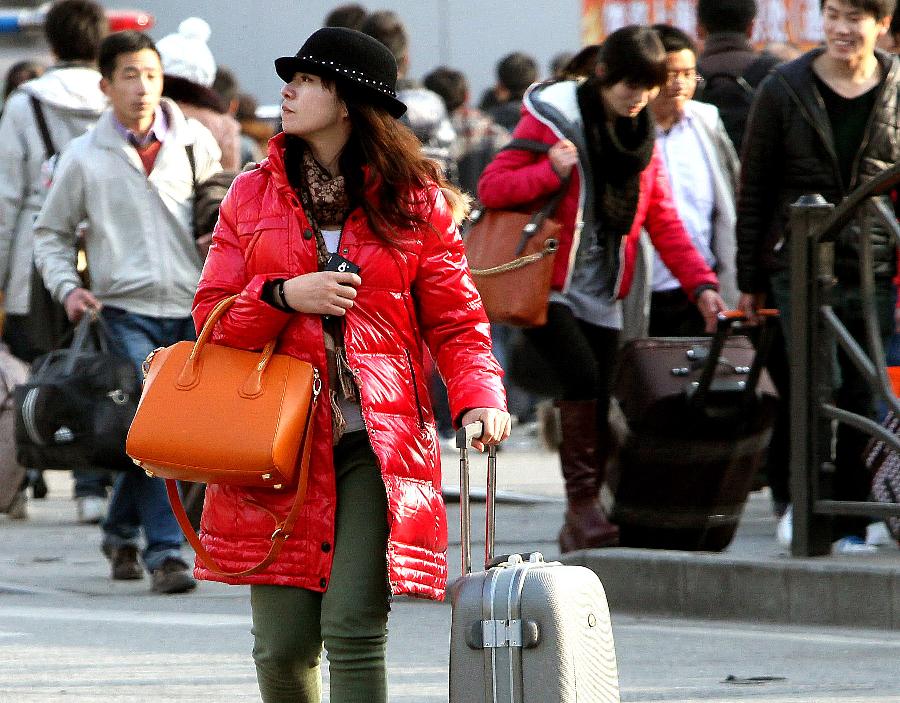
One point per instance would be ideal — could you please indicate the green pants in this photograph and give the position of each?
(290, 624)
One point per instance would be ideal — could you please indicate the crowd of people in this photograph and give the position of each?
(676, 167)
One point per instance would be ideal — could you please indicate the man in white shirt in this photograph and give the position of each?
(703, 170)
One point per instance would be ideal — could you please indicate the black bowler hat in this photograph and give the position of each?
(364, 66)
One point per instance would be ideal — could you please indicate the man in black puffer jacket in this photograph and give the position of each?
(825, 123)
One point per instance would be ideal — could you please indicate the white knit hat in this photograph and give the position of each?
(186, 55)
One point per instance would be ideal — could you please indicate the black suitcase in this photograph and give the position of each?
(690, 423)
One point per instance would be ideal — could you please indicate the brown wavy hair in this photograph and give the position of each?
(397, 169)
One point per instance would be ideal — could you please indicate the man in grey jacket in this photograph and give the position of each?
(703, 172)
(69, 99)
(131, 179)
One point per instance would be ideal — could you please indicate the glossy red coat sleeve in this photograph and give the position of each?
(668, 235)
(517, 177)
(452, 319)
(249, 323)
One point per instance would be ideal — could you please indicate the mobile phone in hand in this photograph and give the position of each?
(338, 263)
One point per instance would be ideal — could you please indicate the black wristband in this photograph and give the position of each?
(279, 291)
(273, 294)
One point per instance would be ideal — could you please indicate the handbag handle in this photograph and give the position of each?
(91, 321)
(190, 372)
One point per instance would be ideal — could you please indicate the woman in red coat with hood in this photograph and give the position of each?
(343, 246)
(601, 150)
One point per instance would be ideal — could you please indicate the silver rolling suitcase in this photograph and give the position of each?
(525, 630)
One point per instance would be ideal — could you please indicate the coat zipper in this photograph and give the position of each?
(829, 144)
(415, 386)
(867, 135)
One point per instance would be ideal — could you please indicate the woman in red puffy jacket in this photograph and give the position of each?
(600, 141)
(343, 246)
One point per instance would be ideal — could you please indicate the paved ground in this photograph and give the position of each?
(68, 634)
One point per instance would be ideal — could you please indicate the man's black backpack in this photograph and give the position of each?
(208, 195)
(733, 94)
(75, 409)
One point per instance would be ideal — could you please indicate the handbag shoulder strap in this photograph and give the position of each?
(189, 150)
(536, 147)
(283, 529)
(541, 148)
(42, 127)
(527, 145)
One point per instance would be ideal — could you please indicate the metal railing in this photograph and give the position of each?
(814, 330)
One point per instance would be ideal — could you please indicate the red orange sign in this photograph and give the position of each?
(796, 21)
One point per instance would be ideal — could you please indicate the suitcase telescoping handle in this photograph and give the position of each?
(464, 437)
(723, 327)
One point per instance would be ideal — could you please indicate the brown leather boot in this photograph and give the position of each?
(585, 525)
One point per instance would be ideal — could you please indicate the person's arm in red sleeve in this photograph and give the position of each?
(515, 176)
(250, 323)
(452, 319)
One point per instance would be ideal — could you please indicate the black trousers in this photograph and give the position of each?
(582, 355)
(672, 314)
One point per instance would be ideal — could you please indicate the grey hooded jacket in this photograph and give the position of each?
(71, 102)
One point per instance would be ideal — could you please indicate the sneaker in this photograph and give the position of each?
(125, 563)
(18, 509)
(90, 509)
(173, 576)
(878, 535)
(852, 545)
(784, 533)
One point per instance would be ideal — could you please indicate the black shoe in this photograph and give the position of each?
(124, 562)
(173, 576)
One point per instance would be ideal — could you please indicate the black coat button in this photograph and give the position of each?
(326, 547)
(307, 233)
(322, 582)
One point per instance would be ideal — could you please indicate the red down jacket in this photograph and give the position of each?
(419, 295)
(516, 178)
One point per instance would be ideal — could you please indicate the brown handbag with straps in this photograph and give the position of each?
(215, 414)
(511, 255)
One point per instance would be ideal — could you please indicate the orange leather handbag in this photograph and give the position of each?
(215, 414)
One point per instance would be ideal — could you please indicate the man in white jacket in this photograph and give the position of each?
(131, 179)
(69, 100)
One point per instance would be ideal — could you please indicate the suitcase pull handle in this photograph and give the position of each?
(725, 322)
(464, 437)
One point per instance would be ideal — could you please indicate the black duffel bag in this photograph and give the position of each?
(76, 408)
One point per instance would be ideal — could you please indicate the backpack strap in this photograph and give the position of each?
(42, 127)
(189, 150)
(738, 80)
